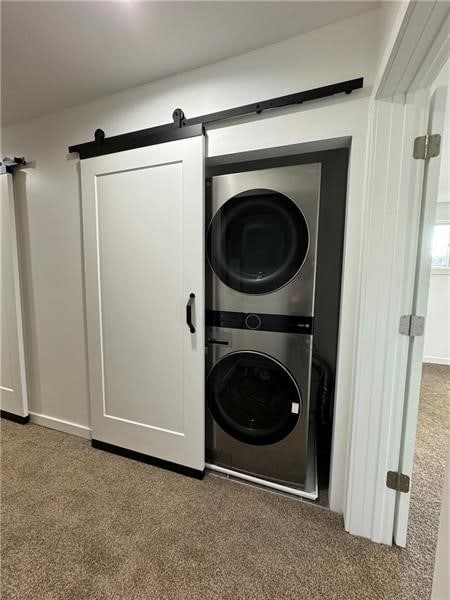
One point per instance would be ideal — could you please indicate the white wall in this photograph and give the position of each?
(437, 324)
(437, 336)
(49, 196)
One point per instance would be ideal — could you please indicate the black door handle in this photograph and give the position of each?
(189, 313)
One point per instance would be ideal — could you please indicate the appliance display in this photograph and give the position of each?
(261, 240)
(261, 248)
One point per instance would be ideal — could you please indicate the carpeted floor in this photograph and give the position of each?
(78, 523)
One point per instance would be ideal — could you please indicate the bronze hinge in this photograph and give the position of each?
(427, 146)
(397, 481)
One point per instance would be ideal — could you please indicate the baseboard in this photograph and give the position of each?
(436, 360)
(61, 425)
(9, 416)
(150, 460)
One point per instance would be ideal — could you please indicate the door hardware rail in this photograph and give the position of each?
(182, 127)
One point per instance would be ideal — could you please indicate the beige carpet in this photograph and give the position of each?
(79, 523)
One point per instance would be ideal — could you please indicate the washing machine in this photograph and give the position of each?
(257, 417)
(262, 240)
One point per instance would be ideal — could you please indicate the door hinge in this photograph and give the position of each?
(427, 146)
(411, 325)
(397, 481)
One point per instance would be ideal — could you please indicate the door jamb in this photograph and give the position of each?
(393, 200)
(420, 282)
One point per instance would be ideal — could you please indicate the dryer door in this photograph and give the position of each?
(253, 398)
(258, 241)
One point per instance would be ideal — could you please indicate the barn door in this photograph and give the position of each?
(144, 266)
(13, 390)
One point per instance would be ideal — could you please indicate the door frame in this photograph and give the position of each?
(398, 114)
(421, 281)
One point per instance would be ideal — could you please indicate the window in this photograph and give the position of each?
(441, 246)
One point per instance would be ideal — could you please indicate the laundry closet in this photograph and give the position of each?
(202, 279)
(201, 292)
(270, 360)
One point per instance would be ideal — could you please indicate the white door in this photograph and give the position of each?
(143, 219)
(419, 307)
(13, 389)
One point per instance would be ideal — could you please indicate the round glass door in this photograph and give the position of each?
(257, 241)
(253, 398)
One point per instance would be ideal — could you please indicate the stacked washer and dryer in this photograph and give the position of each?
(262, 231)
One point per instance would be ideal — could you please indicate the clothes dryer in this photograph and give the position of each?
(262, 240)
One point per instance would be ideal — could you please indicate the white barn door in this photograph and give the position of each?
(144, 266)
(13, 389)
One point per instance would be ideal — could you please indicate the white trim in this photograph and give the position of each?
(435, 110)
(419, 51)
(61, 425)
(131, 422)
(436, 360)
(434, 61)
(7, 389)
(18, 297)
(391, 226)
(21, 410)
(440, 270)
(391, 229)
(270, 484)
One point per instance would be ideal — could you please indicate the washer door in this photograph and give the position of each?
(253, 398)
(257, 241)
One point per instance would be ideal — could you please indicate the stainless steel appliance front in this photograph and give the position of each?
(262, 240)
(258, 403)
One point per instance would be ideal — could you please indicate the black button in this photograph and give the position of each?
(252, 322)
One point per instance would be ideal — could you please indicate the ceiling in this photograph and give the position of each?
(57, 54)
